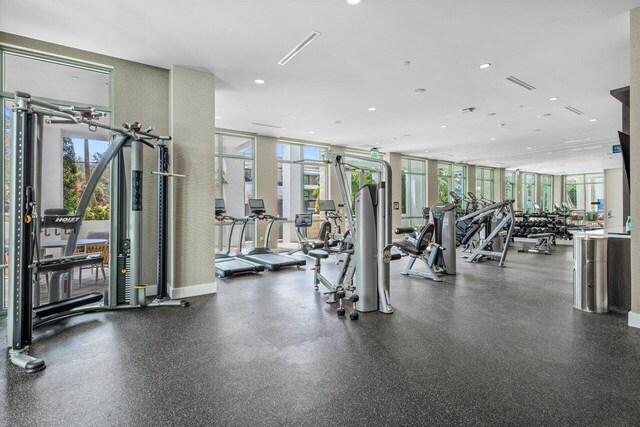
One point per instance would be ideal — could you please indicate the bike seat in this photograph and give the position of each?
(318, 253)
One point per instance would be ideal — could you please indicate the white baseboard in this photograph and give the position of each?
(193, 291)
(634, 319)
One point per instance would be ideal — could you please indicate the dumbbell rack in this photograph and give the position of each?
(535, 223)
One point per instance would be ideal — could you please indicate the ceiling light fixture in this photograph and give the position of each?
(443, 126)
(492, 139)
(218, 117)
(296, 50)
(294, 117)
(485, 65)
(311, 132)
(529, 148)
(75, 77)
(593, 120)
(372, 108)
(259, 81)
(353, 2)
(553, 98)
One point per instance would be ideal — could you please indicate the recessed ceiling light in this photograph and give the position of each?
(426, 151)
(492, 139)
(311, 132)
(529, 148)
(572, 158)
(550, 152)
(75, 77)
(554, 98)
(377, 143)
(218, 117)
(372, 108)
(593, 120)
(443, 126)
(485, 65)
(259, 81)
(420, 90)
(294, 117)
(353, 2)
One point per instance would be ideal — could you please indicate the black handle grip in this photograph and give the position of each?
(404, 230)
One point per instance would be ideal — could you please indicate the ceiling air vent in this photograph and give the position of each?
(296, 50)
(520, 83)
(574, 110)
(267, 126)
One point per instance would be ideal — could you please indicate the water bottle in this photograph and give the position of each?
(627, 227)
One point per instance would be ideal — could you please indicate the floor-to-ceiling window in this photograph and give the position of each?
(234, 156)
(414, 183)
(445, 182)
(460, 181)
(528, 191)
(545, 199)
(585, 192)
(484, 182)
(361, 172)
(60, 81)
(510, 185)
(302, 182)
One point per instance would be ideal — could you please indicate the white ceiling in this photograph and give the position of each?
(577, 50)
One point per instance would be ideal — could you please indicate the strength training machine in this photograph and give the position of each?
(125, 287)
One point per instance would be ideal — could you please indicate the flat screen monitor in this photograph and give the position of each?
(327, 206)
(304, 220)
(256, 205)
(220, 204)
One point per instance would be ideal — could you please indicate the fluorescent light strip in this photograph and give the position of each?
(296, 50)
(520, 83)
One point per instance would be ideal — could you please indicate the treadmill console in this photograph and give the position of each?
(304, 220)
(256, 206)
(327, 206)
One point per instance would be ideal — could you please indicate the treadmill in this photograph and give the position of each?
(226, 263)
(263, 255)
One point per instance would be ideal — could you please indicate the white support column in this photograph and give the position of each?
(266, 167)
(432, 183)
(192, 151)
(395, 160)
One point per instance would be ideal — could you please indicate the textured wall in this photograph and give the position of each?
(140, 93)
(432, 182)
(395, 160)
(635, 160)
(192, 198)
(266, 188)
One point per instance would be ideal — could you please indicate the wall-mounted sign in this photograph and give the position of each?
(617, 149)
(375, 154)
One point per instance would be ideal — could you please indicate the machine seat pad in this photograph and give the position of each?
(318, 253)
(407, 247)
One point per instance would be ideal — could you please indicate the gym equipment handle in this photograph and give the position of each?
(404, 230)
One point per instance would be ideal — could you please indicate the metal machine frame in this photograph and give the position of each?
(371, 233)
(501, 214)
(125, 287)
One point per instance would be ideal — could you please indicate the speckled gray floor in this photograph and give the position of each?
(489, 347)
